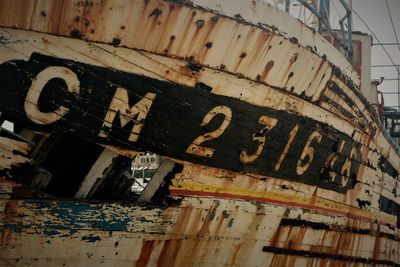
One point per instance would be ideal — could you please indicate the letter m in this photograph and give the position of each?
(137, 113)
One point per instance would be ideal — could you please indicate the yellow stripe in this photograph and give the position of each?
(317, 202)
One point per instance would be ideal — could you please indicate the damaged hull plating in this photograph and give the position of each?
(279, 160)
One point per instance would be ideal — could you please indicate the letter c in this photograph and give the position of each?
(38, 83)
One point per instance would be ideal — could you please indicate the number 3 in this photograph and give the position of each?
(269, 123)
(195, 148)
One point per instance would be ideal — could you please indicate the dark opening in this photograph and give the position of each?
(69, 161)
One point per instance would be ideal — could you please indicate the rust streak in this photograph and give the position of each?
(267, 68)
(169, 252)
(145, 253)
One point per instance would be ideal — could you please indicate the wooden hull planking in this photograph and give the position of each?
(295, 169)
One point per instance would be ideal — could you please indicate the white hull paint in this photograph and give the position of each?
(200, 231)
(246, 218)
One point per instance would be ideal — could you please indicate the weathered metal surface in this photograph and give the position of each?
(204, 181)
(199, 231)
(289, 166)
(14, 152)
(236, 150)
(96, 173)
(157, 180)
(250, 33)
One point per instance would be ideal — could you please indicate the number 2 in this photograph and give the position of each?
(195, 147)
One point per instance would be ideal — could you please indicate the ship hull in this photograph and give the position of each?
(198, 232)
(281, 159)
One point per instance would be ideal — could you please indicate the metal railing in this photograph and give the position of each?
(323, 13)
(392, 79)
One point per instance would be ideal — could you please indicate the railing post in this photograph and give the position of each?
(324, 10)
(287, 6)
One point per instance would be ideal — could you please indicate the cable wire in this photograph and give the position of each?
(391, 20)
(380, 43)
(337, 12)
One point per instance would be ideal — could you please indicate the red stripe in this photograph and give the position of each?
(3, 180)
(268, 200)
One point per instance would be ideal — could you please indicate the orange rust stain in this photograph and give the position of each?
(319, 67)
(320, 262)
(192, 230)
(210, 26)
(171, 41)
(199, 24)
(377, 248)
(205, 227)
(310, 262)
(235, 253)
(86, 21)
(12, 15)
(182, 223)
(276, 236)
(317, 72)
(260, 46)
(183, 226)
(245, 47)
(219, 223)
(5, 237)
(291, 261)
(151, 17)
(145, 253)
(345, 242)
(169, 252)
(257, 219)
(279, 260)
(243, 54)
(167, 24)
(267, 68)
(186, 251)
(260, 42)
(190, 18)
(70, 12)
(184, 71)
(298, 237)
(12, 207)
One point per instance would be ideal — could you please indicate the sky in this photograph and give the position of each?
(376, 16)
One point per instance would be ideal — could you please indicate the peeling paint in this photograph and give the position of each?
(91, 239)
(318, 187)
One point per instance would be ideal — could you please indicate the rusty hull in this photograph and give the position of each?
(198, 232)
(245, 51)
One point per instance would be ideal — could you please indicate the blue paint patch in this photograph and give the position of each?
(77, 215)
(66, 218)
(13, 227)
(90, 239)
(211, 217)
(225, 214)
(3, 40)
(72, 231)
(51, 232)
